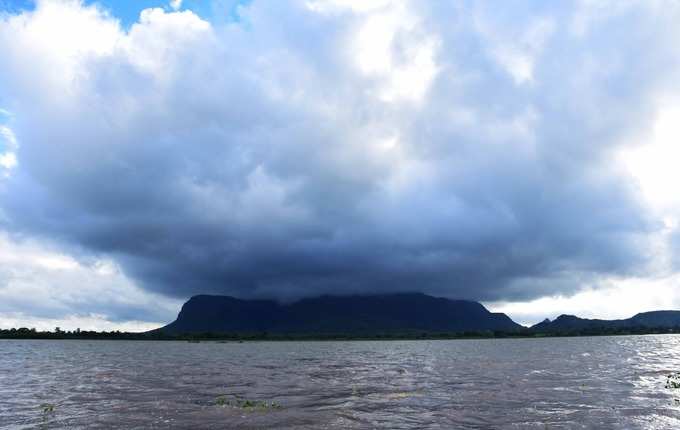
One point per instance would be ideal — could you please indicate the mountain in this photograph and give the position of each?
(370, 314)
(645, 320)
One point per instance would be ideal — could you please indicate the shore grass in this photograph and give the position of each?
(24, 333)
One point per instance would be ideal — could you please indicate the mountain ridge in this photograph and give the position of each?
(356, 314)
(651, 319)
(397, 313)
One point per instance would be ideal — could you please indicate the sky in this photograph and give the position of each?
(523, 154)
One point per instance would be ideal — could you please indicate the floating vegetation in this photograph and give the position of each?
(673, 380)
(47, 408)
(247, 404)
(47, 413)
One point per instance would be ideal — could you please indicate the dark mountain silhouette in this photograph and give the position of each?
(388, 313)
(647, 320)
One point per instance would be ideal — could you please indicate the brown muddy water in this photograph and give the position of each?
(588, 382)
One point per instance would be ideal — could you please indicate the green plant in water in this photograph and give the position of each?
(673, 380)
(47, 408)
(47, 412)
(247, 404)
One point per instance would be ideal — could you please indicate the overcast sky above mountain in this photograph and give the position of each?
(520, 153)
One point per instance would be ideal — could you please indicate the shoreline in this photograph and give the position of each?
(240, 338)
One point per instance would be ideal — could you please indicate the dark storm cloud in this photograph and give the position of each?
(258, 159)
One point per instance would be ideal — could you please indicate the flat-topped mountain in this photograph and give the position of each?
(571, 323)
(386, 313)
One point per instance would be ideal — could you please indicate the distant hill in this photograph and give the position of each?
(351, 315)
(645, 320)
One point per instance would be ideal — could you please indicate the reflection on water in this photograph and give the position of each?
(597, 382)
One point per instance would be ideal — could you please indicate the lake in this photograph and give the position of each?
(587, 382)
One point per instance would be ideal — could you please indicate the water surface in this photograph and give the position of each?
(589, 382)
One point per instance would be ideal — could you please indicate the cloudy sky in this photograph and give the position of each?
(520, 153)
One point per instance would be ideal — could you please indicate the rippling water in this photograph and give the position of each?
(597, 382)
